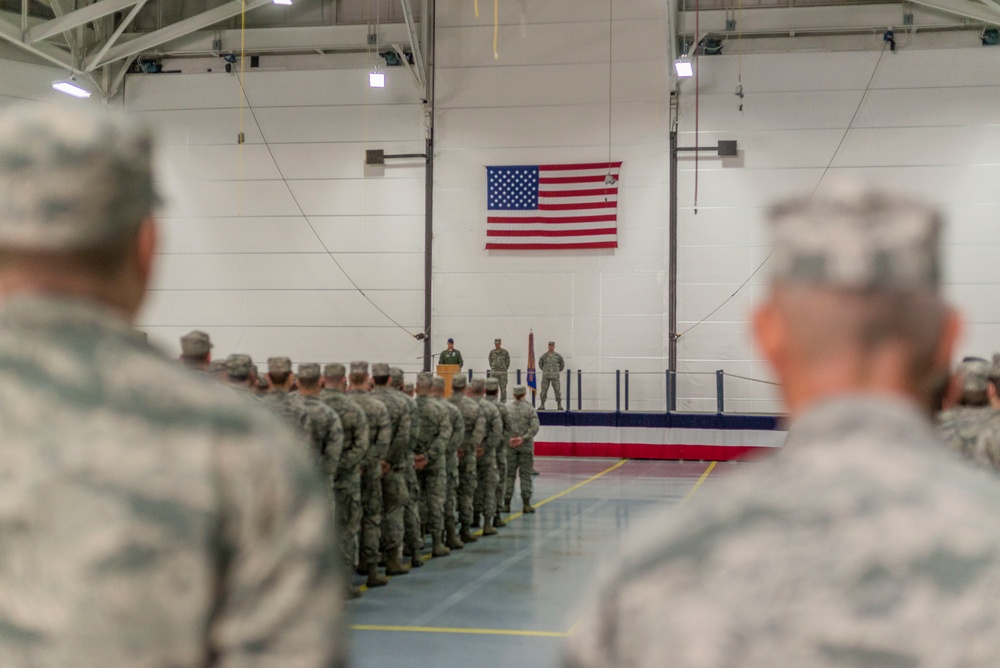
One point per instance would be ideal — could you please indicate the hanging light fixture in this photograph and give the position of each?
(376, 79)
(70, 87)
(683, 67)
(282, 2)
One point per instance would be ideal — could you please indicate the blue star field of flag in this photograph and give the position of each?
(512, 188)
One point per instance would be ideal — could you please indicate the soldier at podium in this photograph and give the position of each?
(450, 355)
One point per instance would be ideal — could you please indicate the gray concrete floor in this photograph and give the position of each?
(511, 599)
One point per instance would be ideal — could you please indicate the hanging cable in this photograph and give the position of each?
(739, 55)
(828, 166)
(496, 28)
(697, 89)
(241, 137)
(475, 4)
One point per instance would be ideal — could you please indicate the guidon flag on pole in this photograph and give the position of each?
(531, 382)
(552, 207)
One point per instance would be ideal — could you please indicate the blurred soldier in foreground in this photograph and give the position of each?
(347, 478)
(395, 492)
(959, 426)
(485, 503)
(452, 539)
(196, 350)
(492, 388)
(148, 515)
(551, 365)
(499, 363)
(864, 542)
(521, 449)
(469, 454)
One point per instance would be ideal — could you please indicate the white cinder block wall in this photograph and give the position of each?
(239, 260)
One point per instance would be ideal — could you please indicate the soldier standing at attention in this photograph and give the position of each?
(499, 363)
(521, 449)
(960, 425)
(238, 374)
(469, 454)
(280, 399)
(551, 364)
(374, 467)
(492, 387)
(196, 350)
(485, 503)
(452, 539)
(149, 516)
(413, 536)
(326, 430)
(450, 355)
(347, 478)
(395, 495)
(430, 449)
(863, 542)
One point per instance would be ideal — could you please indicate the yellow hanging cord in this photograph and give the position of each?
(496, 27)
(475, 3)
(241, 137)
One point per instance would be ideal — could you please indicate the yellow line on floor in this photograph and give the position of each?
(702, 479)
(462, 631)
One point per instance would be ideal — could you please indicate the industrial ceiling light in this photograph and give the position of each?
(70, 87)
(376, 79)
(683, 67)
(282, 2)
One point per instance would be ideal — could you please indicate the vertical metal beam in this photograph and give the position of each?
(429, 191)
(672, 257)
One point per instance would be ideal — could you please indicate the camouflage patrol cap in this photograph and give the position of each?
(437, 382)
(278, 365)
(478, 385)
(195, 344)
(458, 382)
(396, 375)
(408, 388)
(359, 367)
(975, 373)
(520, 390)
(380, 369)
(309, 372)
(238, 366)
(72, 178)
(856, 238)
(335, 371)
(217, 366)
(497, 341)
(425, 381)
(492, 385)
(552, 343)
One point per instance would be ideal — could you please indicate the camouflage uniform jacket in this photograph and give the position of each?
(457, 426)
(379, 426)
(499, 360)
(291, 410)
(399, 416)
(475, 422)
(327, 434)
(505, 416)
(551, 363)
(987, 448)
(523, 420)
(450, 357)
(862, 543)
(494, 427)
(355, 426)
(959, 427)
(152, 516)
(433, 431)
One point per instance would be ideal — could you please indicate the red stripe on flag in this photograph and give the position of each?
(553, 180)
(555, 220)
(599, 244)
(578, 205)
(596, 192)
(582, 165)
(549, 233)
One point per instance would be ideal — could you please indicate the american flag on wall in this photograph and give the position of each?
(552, 207)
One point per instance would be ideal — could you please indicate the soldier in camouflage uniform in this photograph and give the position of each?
(413, 536)
(151, 517)
(395, 494)
(452, 539)
(485, 503)
(217, 370)
(374, 467)
(347, 478)
(469, 454)
(430, 449)
(327, 432)
(499, 363)
(863, 542)
(280, 399)
(521, 449)
(196, 350)
(237, 368)
(492, 388)
(960, 425)
(551, 365)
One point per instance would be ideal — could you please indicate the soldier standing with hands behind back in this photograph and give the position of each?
(499, 363)
(551, 364)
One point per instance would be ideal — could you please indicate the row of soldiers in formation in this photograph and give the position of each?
(399, 468)
(969, 421)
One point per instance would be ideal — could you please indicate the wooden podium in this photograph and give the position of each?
(448, 371)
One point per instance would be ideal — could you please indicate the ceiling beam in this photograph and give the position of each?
(118, 32)
(12, 33)
(415, 46)
(176, 31)
(965, 8)
(76, 18)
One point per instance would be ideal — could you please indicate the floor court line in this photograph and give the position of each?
(517, 632)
